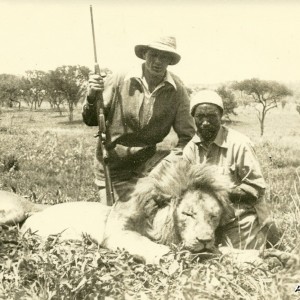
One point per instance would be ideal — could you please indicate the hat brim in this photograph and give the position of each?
(141, 49)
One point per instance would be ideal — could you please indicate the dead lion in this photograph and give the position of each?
(184, 205)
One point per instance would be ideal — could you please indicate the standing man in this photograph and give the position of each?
(141, 107)
(234, 155)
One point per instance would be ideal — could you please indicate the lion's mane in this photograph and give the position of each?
(158, 196)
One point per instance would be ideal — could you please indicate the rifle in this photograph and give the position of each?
(102, 127)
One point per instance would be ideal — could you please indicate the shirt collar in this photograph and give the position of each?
(137, 73)
(220, 139)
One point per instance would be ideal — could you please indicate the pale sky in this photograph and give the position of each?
(219, 41)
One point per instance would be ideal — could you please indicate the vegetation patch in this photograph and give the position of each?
(55, 165)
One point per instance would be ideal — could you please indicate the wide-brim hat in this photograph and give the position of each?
(205, 97)
(166, 44)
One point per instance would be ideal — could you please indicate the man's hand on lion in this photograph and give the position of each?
(237, 195)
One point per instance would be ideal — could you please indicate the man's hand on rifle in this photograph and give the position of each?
(96, 84)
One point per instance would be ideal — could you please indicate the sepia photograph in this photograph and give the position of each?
(149, 150)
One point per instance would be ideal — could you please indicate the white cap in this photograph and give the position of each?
(205, 96)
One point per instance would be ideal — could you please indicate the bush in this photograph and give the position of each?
(10, 163)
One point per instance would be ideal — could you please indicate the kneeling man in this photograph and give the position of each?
(234, 154)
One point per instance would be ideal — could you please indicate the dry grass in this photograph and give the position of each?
(50, 160)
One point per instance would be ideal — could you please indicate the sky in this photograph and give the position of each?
(218, 41)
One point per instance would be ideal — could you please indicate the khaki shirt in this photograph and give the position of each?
(234, 154)
(123, 99)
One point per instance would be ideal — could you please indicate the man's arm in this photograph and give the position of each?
(89, 109)
(252, 183)
(238, 195)
(184, 123)
(89, 113)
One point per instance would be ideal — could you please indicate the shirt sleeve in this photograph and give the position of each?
(249, 171)
(189, 152)
(184, 123)
(89, 113)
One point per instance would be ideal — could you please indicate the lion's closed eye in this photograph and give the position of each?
(214, 217)
(189, 214)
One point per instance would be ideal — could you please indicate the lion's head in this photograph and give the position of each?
(184, 204)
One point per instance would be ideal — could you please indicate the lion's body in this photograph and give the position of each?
(71, 220)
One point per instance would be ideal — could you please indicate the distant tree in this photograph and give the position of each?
(283, 103)
(228, 100)
(26, 91)
(33, 90)
(10, 89)
(266, 93)
(69, 82)
(55, 97)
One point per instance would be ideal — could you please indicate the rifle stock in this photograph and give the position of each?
(102, 128)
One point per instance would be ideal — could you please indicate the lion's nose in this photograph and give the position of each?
(204, 241)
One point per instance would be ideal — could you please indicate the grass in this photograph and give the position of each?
(49, 160)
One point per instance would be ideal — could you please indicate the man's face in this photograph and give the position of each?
(208, 121)
(157, 62)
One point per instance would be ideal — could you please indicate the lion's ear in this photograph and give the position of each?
(161, 199)
(154, 201)
(149, 197)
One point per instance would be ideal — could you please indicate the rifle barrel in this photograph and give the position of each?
(93, 31)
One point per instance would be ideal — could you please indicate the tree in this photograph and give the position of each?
(266, 93)
(55, 97)
(10, 89)
(68, 82)
(229, 101)
(33, 91)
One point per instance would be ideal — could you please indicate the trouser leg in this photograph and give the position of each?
(265, 217)
(244, 232)
(102, 195)
(273, 235)
(125, 177)
(119, 177)
(251, 228)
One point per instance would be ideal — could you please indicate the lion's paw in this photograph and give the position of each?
(286, 259)
(156, 254)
